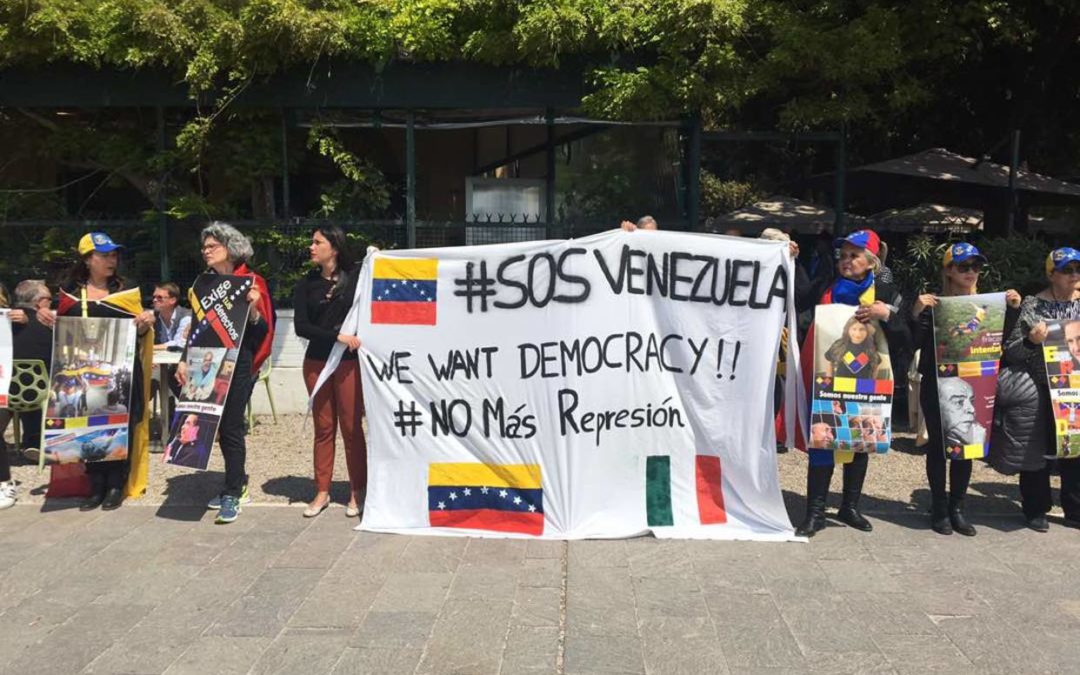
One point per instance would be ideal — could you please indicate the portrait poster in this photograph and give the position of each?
(1062, 351)
(219, 315)
(851, 410)
(6, 356)
(87, 416)
(967, 342)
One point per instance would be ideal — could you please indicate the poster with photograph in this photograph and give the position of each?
(87, 418)
(853, 383)
(220, 313)
(967, 338)
(6, 356)
(1062, 351)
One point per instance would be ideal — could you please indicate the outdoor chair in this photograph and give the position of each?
(29, 391)
(264, 377)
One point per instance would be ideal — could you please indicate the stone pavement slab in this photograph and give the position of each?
(150, 589)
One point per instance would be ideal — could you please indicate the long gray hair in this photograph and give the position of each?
(234, 241)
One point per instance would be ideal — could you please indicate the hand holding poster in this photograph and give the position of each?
(1062, 352)
(601, 387)
(90, 390)
(967, 335)
(220, 313)
(853, 383)
(6, 356)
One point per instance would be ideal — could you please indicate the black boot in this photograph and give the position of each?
(114, 497)
(97, 493)
(956, 516)
(939, 516)
(854, 475)
(817, 491)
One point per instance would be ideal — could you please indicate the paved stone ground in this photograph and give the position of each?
(159, 589)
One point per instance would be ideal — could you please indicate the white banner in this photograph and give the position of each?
(6, 356)
(600, 387)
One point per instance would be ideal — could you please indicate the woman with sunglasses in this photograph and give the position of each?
(960, 269)
(1024, 433)
(855, 284)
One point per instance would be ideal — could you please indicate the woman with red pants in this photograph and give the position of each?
(320, 302)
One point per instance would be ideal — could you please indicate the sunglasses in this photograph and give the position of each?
(1070, 269)
(969, 267)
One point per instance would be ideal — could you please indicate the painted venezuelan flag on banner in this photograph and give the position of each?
(496, 497)
(404, 291)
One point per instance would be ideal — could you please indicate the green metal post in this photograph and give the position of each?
(159, 200)
(693, 172)
(549, 186)
(841, 181)
(286, 206)
(410, 178)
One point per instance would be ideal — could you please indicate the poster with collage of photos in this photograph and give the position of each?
(851, 409)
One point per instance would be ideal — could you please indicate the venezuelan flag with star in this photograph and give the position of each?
(404, 291)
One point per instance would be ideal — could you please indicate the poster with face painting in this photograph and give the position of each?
(220, 313)
(851, 409)
(86, 418)
(967, 347)
(1062, 351)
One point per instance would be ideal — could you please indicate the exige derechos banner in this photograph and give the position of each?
(599, 387)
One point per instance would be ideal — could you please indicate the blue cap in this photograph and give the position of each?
(1060, 257)
(962, 252)
(97, 241)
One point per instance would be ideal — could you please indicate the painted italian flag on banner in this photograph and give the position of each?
(708, 489)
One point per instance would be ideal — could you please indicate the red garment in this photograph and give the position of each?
(266, 308)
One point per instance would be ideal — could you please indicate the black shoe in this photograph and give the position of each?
(814, 523)
(939, 518)
(114, 497)
(851, 517)
(93, 501)
(959, 522)
(1039, 524)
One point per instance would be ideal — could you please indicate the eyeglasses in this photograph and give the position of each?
(969, 267)
(210, 247)
(161, 297)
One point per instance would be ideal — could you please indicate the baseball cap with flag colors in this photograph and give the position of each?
(866, 239)
(961, 252)
(1060, 257)
(97, 241)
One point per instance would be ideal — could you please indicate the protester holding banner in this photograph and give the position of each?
(961, 266)
(1024, 435)
(320, 302)
(93, 287)
(855, 285)
(226, 251)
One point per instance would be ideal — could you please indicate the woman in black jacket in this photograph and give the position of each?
(877, 301)
(961, 267)
(320, 302)
(1024, 435)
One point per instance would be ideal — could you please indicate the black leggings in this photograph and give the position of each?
(231, 430)
(959, 474)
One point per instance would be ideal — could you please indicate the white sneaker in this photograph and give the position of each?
(8, 494)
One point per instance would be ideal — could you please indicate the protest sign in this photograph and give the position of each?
(90, 390)
(851, 410)
(967, 340)
(1062, 354)
(6, 356)
(600, 387)
(220, 314)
